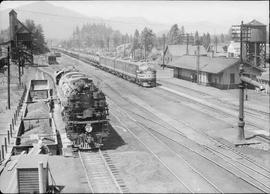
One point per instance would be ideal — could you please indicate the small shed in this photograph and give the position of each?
(52, 59)
(32, 174)
(233, 49)
(219, 72)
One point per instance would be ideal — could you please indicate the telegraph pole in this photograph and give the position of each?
(241, 122)
(19, 66)
(124, 46)
(8, 64)
(187, 44)
(23, 61)
(198, 62)
(145, 51)
(163, 62)
(216, 41)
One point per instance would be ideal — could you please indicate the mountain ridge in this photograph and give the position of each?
(59, 22)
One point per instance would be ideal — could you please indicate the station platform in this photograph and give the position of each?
(258, 101)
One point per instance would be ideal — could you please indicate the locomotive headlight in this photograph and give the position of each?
(88, 128)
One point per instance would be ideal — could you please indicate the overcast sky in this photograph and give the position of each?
(167, 11)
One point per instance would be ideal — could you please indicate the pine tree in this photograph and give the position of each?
(136, 41)
(38, 37)
(222, 38)
(196, 38)
(173, 36)
(208, 40)
(147, 40)
(182, 31)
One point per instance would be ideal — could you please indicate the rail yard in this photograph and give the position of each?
(90, 122)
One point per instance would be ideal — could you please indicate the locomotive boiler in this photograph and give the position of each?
(84, 109)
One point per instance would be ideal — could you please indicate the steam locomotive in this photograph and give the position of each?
(141, 73)
(84, 109)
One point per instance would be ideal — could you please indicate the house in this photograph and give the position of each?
(233, 49)
(173, 52)
(218, 50)
(219, 72)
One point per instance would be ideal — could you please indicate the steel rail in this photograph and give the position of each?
(213, 151)
(179, 156)
(86, 174)
(212, 140)
(156, 156)
(109, 170)
(222, 101)
(92, 177)
(216, 141)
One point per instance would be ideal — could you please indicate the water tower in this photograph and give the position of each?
(253, 41)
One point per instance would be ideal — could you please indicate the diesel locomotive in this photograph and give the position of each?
(141, 73)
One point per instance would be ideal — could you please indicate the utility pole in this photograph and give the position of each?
(216, 41)
(241, 122)
(19, 65)
(198, 62)
(23, 61)
(145, 51)
(124, 46)
(187, 44)
(8, 64)
(163, 62)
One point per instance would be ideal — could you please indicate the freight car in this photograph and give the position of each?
(84, 109)
(52, 59)
(140, 73)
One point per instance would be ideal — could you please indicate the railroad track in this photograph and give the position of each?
(187, 186)
(215, 112)
(241, 169)
(250, 167)
(247, 166)
(253, 112)
(102, 175)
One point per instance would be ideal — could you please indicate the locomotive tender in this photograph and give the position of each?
(140, 73)
(84, 109)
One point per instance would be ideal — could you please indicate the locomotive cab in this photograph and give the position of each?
(146, 75)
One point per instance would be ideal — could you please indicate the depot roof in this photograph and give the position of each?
(207, 64)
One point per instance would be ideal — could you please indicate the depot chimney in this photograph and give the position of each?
(12, 24)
